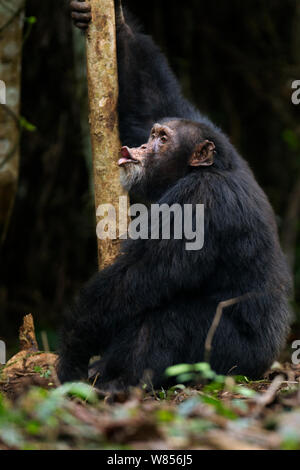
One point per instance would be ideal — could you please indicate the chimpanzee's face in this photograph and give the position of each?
(172, 148)
(139, 165)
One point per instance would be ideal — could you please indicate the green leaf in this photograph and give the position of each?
(177, 387)
(290, 444)
(202, 367)
(76, 389)
(11, 436)
(187, 407)
(241, 405)
(241, 379)
(27, 125)
(214, 388)
(31, 19)
(219, 407)
(291, 139)
(174, 371)
(205, 370)
(33, 427)
(199, 426)
(188, 377)
(165, 416)
(244, 391)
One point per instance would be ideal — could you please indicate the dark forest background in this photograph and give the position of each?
(235, 60)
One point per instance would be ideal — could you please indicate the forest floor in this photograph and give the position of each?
(222, 414)
(226, 413)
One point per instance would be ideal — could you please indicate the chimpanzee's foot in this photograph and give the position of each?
(113, 392)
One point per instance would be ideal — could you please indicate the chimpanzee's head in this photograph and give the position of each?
(174, 148)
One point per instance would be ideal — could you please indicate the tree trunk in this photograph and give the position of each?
(103, 97)
(11, 26)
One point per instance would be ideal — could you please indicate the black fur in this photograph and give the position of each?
(154, 306)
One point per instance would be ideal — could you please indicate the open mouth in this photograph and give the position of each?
(127, 157)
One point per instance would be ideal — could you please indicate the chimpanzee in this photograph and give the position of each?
(153, 307)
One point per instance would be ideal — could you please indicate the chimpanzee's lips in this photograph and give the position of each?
(126, 157)
(125, 161)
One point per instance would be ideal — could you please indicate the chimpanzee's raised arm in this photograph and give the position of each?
(149, 90)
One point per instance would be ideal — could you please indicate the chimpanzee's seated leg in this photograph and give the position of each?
(140, 354)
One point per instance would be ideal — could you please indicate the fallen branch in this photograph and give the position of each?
(216, 322)
(268, 397)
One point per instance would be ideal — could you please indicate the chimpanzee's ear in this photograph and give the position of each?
(203, 154)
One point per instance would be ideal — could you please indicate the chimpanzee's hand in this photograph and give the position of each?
(81, 13)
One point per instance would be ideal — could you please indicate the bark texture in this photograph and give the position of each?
(11, 27)
(103, 96)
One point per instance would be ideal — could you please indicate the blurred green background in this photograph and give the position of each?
(235, 60)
